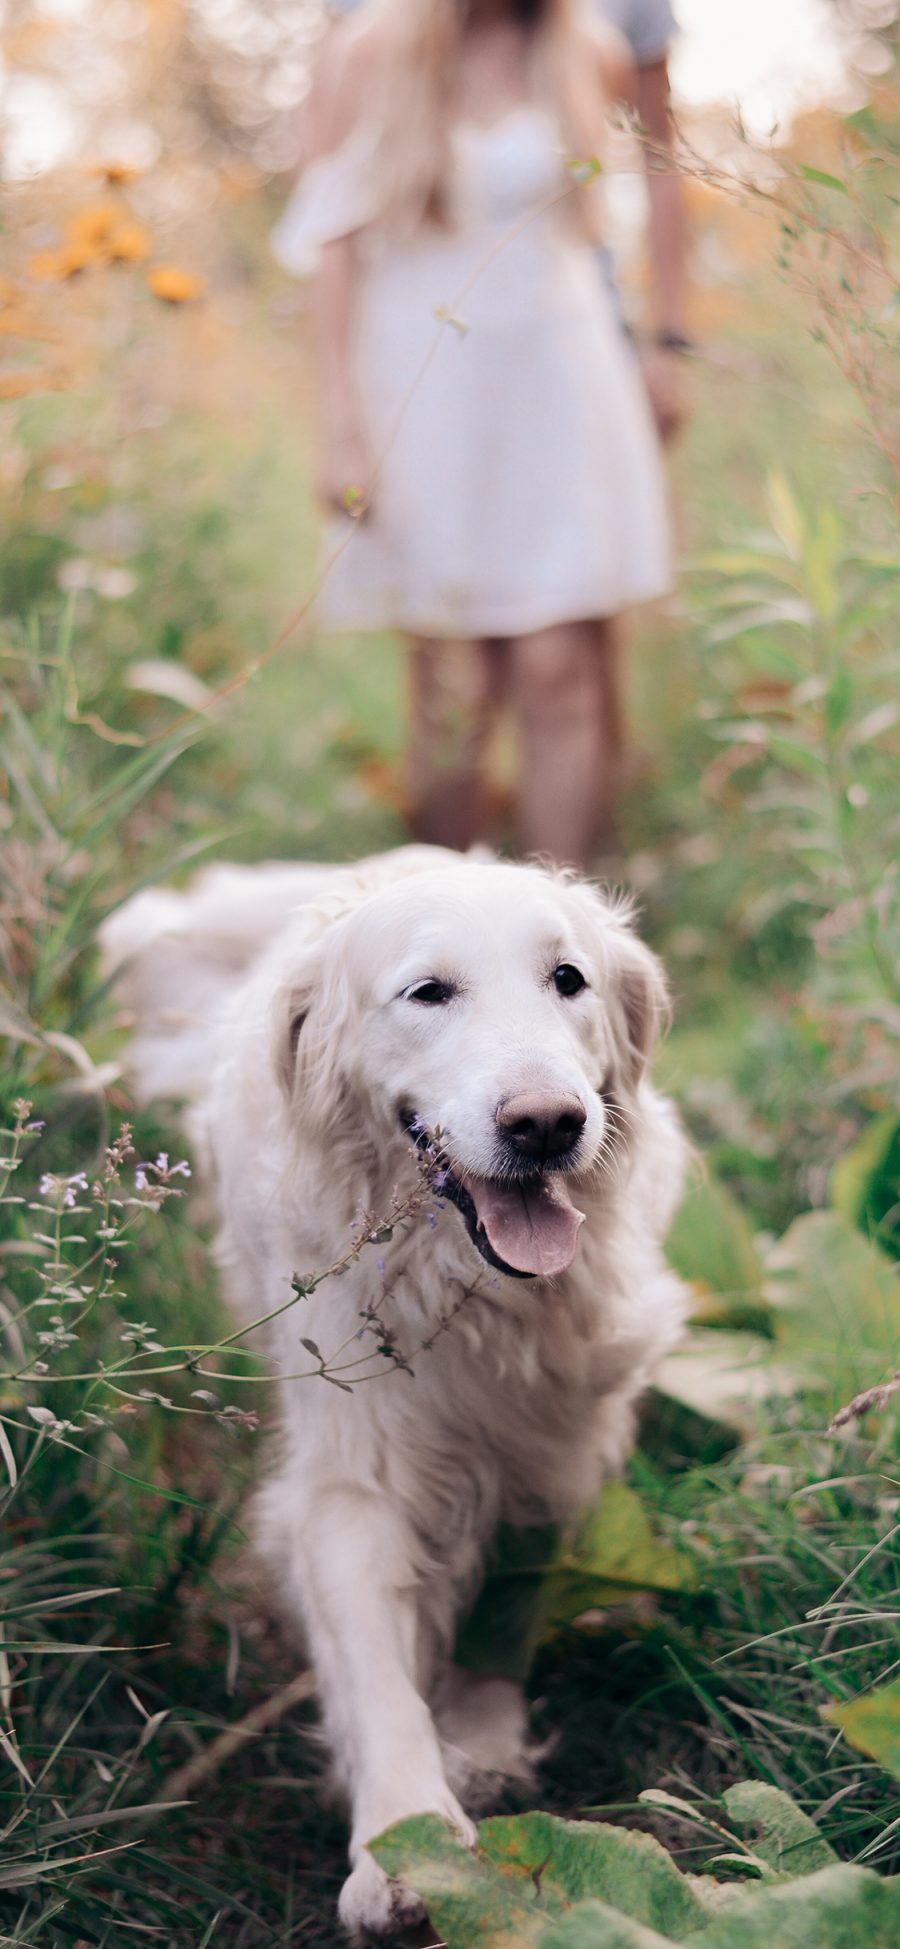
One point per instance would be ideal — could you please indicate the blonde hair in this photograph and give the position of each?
(410, 96)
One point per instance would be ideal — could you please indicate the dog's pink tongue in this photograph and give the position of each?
(533, 1227)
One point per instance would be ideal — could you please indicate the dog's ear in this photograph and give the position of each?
(310, 1019)
(639, 1003)
(290, 1010)
(631, 981)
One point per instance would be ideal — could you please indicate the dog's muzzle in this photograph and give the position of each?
(523, 1221)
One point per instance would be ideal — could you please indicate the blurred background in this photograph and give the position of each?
(155, 385)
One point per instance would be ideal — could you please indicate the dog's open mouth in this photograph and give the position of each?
(525, 1226)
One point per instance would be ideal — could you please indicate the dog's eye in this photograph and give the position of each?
(431, 994)
(568, 980)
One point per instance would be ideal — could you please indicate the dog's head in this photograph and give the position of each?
(510, 1010)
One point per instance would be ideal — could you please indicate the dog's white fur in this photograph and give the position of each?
(278, 998)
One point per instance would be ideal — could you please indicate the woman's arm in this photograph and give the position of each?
(668, 223)
(668, 240)
(345, 466)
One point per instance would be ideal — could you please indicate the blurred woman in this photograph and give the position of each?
(482, 415)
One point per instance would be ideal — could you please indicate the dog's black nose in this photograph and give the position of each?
(541, 1125)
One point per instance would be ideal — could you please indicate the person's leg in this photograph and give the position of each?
(565, 693)
(611, 678)
(454, 693)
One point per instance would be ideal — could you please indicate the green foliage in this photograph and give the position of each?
(823, 177)
(872, 1723)
(615, 1553)
(572, 1859)
(76, 789)
(712, 1245)
(837, 1303)
(537, 1581)
(780, 1835)
(502, 1632)
(579, 1885)
(806, 665)
(865, 1183)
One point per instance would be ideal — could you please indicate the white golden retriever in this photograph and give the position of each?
(325, 1021)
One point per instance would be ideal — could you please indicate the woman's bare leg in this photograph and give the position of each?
(611, 677)
(563, 683)
(454, 694)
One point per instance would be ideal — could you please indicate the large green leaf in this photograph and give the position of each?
(594, 1925)
(779, 1832)
(531, 1871)
(533, 1586)
(836, 1908)
(872, 1724)
(727, 1375)
(469, 1900)
(712, 1246)
(785, 514)
(536, 1882)
(616, 1543)
(837, 1300)
(717, 1374)
(615, 1553)
(578, 1858)
(865, 1183)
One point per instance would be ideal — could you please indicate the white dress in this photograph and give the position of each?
(518, 478)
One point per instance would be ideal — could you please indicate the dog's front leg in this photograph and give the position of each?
(353, 1567)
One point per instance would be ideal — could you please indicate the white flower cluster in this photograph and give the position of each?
(63, 1190)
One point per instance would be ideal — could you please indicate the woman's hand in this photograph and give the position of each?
(665, 380)
(345, 473)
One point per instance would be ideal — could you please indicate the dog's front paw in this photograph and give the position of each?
(371, 1904)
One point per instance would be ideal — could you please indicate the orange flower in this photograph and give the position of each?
(129, 244)
(115, 173)
(45, 265)
(49, 266)
(174, 286)
(91, 228)
(75, 257)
